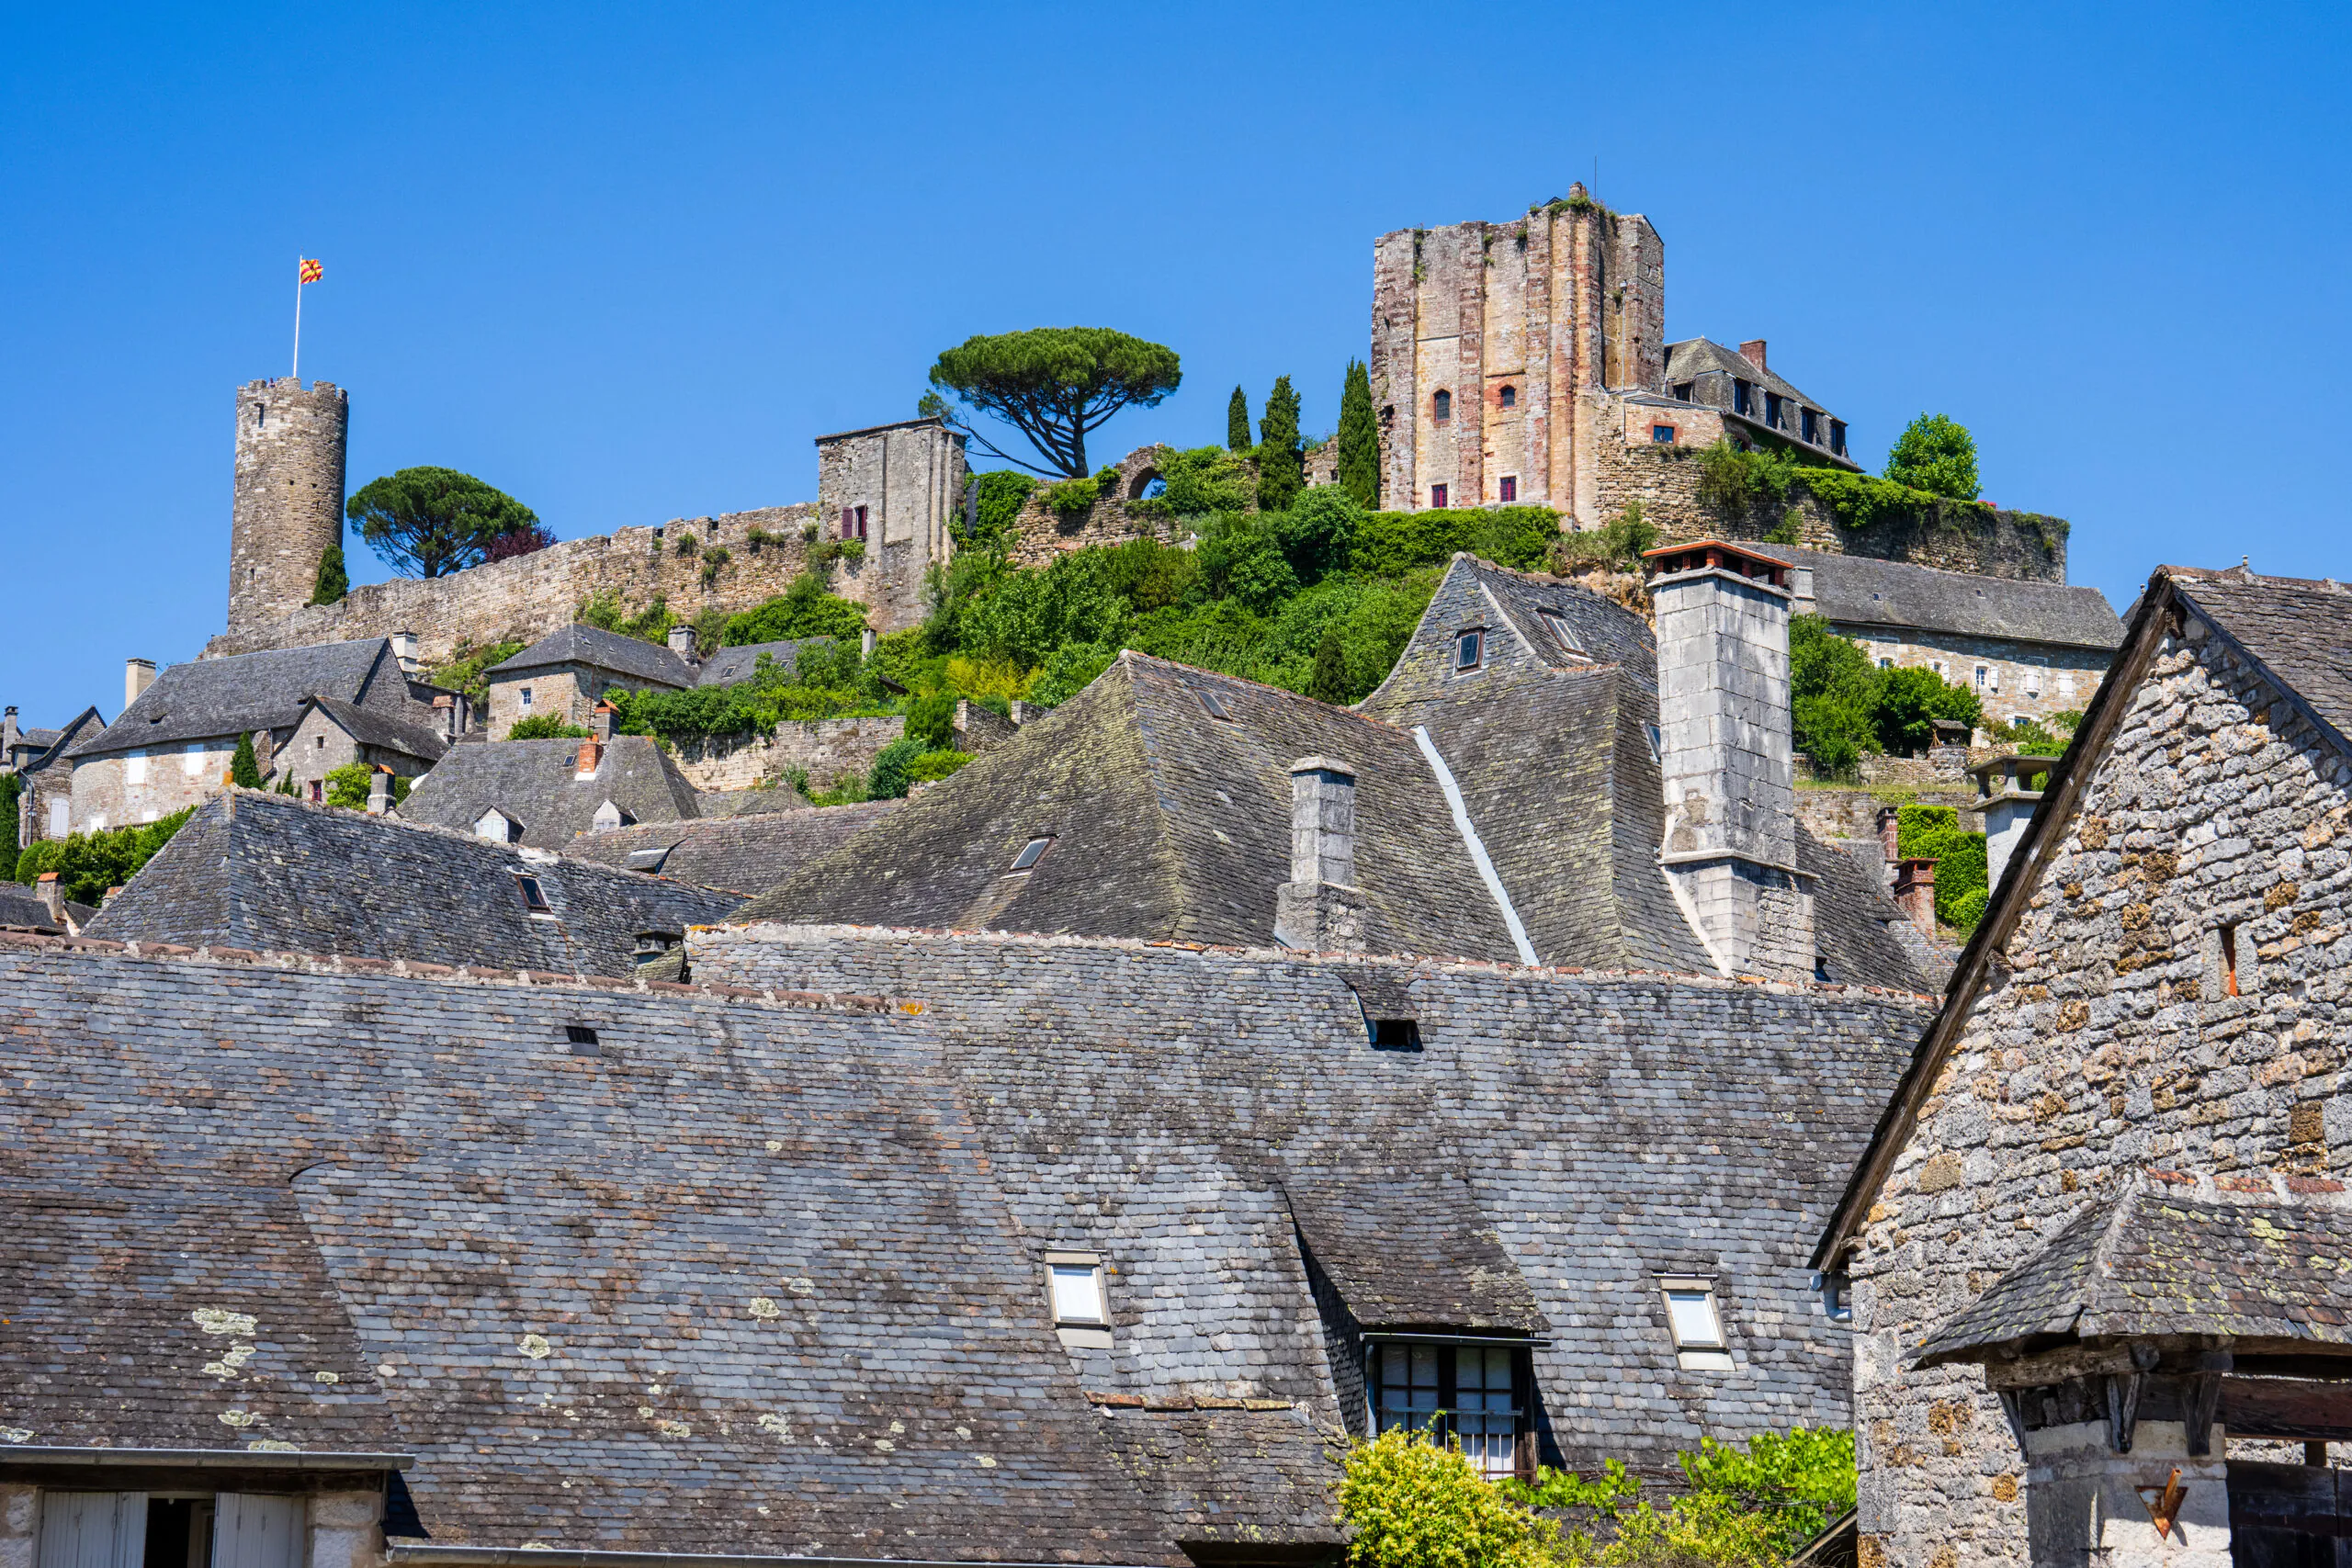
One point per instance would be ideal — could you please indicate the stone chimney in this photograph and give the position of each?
(1890, 837)
(53, 897)
(1727, 756)
(600, 723)
(1753, 352)
(1914, 890)
(444, 715)
(1320, 909)
(682, 642)
(380, 793)
(2007, 807)
(138, 674)
(404, 650)
(9, 736)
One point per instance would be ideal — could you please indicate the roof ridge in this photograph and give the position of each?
(1163, 839)
(1283, 692)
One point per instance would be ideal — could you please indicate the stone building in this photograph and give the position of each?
(1752, 402)
(2030, 650)
(287, 509)
(567, 673)
(259, 872)
(45, 779)
(543, 794)
(899, 490)
(178, 735)
(2092, 1247)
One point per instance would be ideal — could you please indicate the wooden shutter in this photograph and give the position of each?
(256, 1530)
(849, 520)
(93, 1529)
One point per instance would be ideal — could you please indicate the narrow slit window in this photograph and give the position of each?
(535, 898)
(1469, 649)
(2229, 960)
(1442, 407)
(261, 415)
(1508, 489)
(1032, 852)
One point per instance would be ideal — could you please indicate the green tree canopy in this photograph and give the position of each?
(1833, 693)
(1282, 461)
(1237, 422)
(1054, 385)
(431, 522)
(803, 609)
(1359, 438)
(1910, 702)
(1936, 455)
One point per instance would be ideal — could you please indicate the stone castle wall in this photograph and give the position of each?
(2112, 1046)
(286, 508)
(2020, 545)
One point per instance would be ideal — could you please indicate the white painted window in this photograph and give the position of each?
(97, 823)
(2032, 681)
(61, 819)
(1698, 1330)
(149, 815)
(257, 1531)
(93, 1529)
(2066, 685)
(1078, 1293)
(134, 768)
(526, 696)
(193, 762)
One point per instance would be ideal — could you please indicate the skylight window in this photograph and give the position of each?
(1698, 1330)
(582, 1040)
(1555, 624)
(1214, 704)
(535, 898)
(1469, 649)
(1032, 852)
(1074, 1292)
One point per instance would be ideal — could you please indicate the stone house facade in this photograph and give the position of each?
(567, 674)
(45, 778)
(333, 734)
(2156, 994)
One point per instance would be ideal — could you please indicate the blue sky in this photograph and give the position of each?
(626, 262)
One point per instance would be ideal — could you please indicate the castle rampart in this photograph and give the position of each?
(288, 506)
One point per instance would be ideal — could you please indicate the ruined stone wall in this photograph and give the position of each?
(2110, 1047)
(2020, 545)
(1041, 534)
(527, 597)
(287, 503)
(829, 748)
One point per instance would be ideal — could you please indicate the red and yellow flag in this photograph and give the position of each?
(313, 271)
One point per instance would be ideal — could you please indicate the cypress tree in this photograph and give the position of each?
(1359, 438)
(1329, 681)
(244, 768)
(333, 582)
(1237, 422)
(1282, 461)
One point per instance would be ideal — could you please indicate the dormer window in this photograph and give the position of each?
(1442, 407)
(1032, 852)
(1697, 1330)
(1075, 1295)
(1469, 647)
(1811, 423)
(654, 945)
(1466, 1391)
(1743, 397)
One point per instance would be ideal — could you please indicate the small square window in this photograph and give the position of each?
(535, 898)
(525, 699)
(1662, 434)
(1469, 649)
(1078, 1293)
(1508, 488)
(1213, 704)
(582, 1040)
(1032, 852)
(1437, 498)
(1698, 1330)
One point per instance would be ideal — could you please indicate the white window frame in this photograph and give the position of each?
(1475, 639)
(192, 760)
(523, 696)
(1695, 1322)
(1031, 853)
(1067, 1276)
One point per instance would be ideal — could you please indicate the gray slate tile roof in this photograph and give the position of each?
(81, 725)
(537, 783)
(729, 666)
(747, 853)
(2163, 1259)
(1411, 1251)
(1858, 591)
(372, 727)
(1693, 357)
(756, 801)
(21, 906)
(1166, 820)
(270, 873)
(212, 697)
(1240, 1480)
(602, 650)
(2299, 630)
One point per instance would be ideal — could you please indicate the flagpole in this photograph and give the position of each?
(298, 318)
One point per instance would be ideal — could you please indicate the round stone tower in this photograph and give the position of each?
(288, 505)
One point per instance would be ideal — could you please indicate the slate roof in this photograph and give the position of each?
(602, 650)
(247, 692)
(747, 853)
(1239, 1479)
(1860, 592)
(270, 873)
(1411, 1251)
(756, 801)
(537, 783)
(727, 666)
(2299, 629)
(2160, 1259)
(1693, 357)
(1167, 822)
(372, 727)
(85, 723)
(21, 906)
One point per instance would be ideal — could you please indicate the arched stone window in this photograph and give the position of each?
(1509, 398)
(1441, 406)
(1146, 485)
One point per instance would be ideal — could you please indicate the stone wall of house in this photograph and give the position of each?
(127, 788)
(829, 748)
(2113, 1044)
(1663, 477)
(2010, 677)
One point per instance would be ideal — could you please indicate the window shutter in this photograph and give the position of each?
(253, 1530)
(849, 520)
(93, 1529)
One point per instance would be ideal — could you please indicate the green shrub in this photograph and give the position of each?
(1242, 560)
(465, 672)
(1003, 493)
(334, 580)
(893, 768)
(932, 719)
(11, 792)
(538, 727)
(347, 785)
(1911, 700)
(1934, 833)
(1833, 696)
(1316, 535)
(803, 609)
(88, 864)
(1068, 670)
(933, 766)
(1744, 1505)
(605, 610)
(1410, 1502)
(828, 679)
(1282, 468)
(1389, 544)
(712, 559)
(1071, 498)
(1617, 545)
(1204, 479)
(1968, 910)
